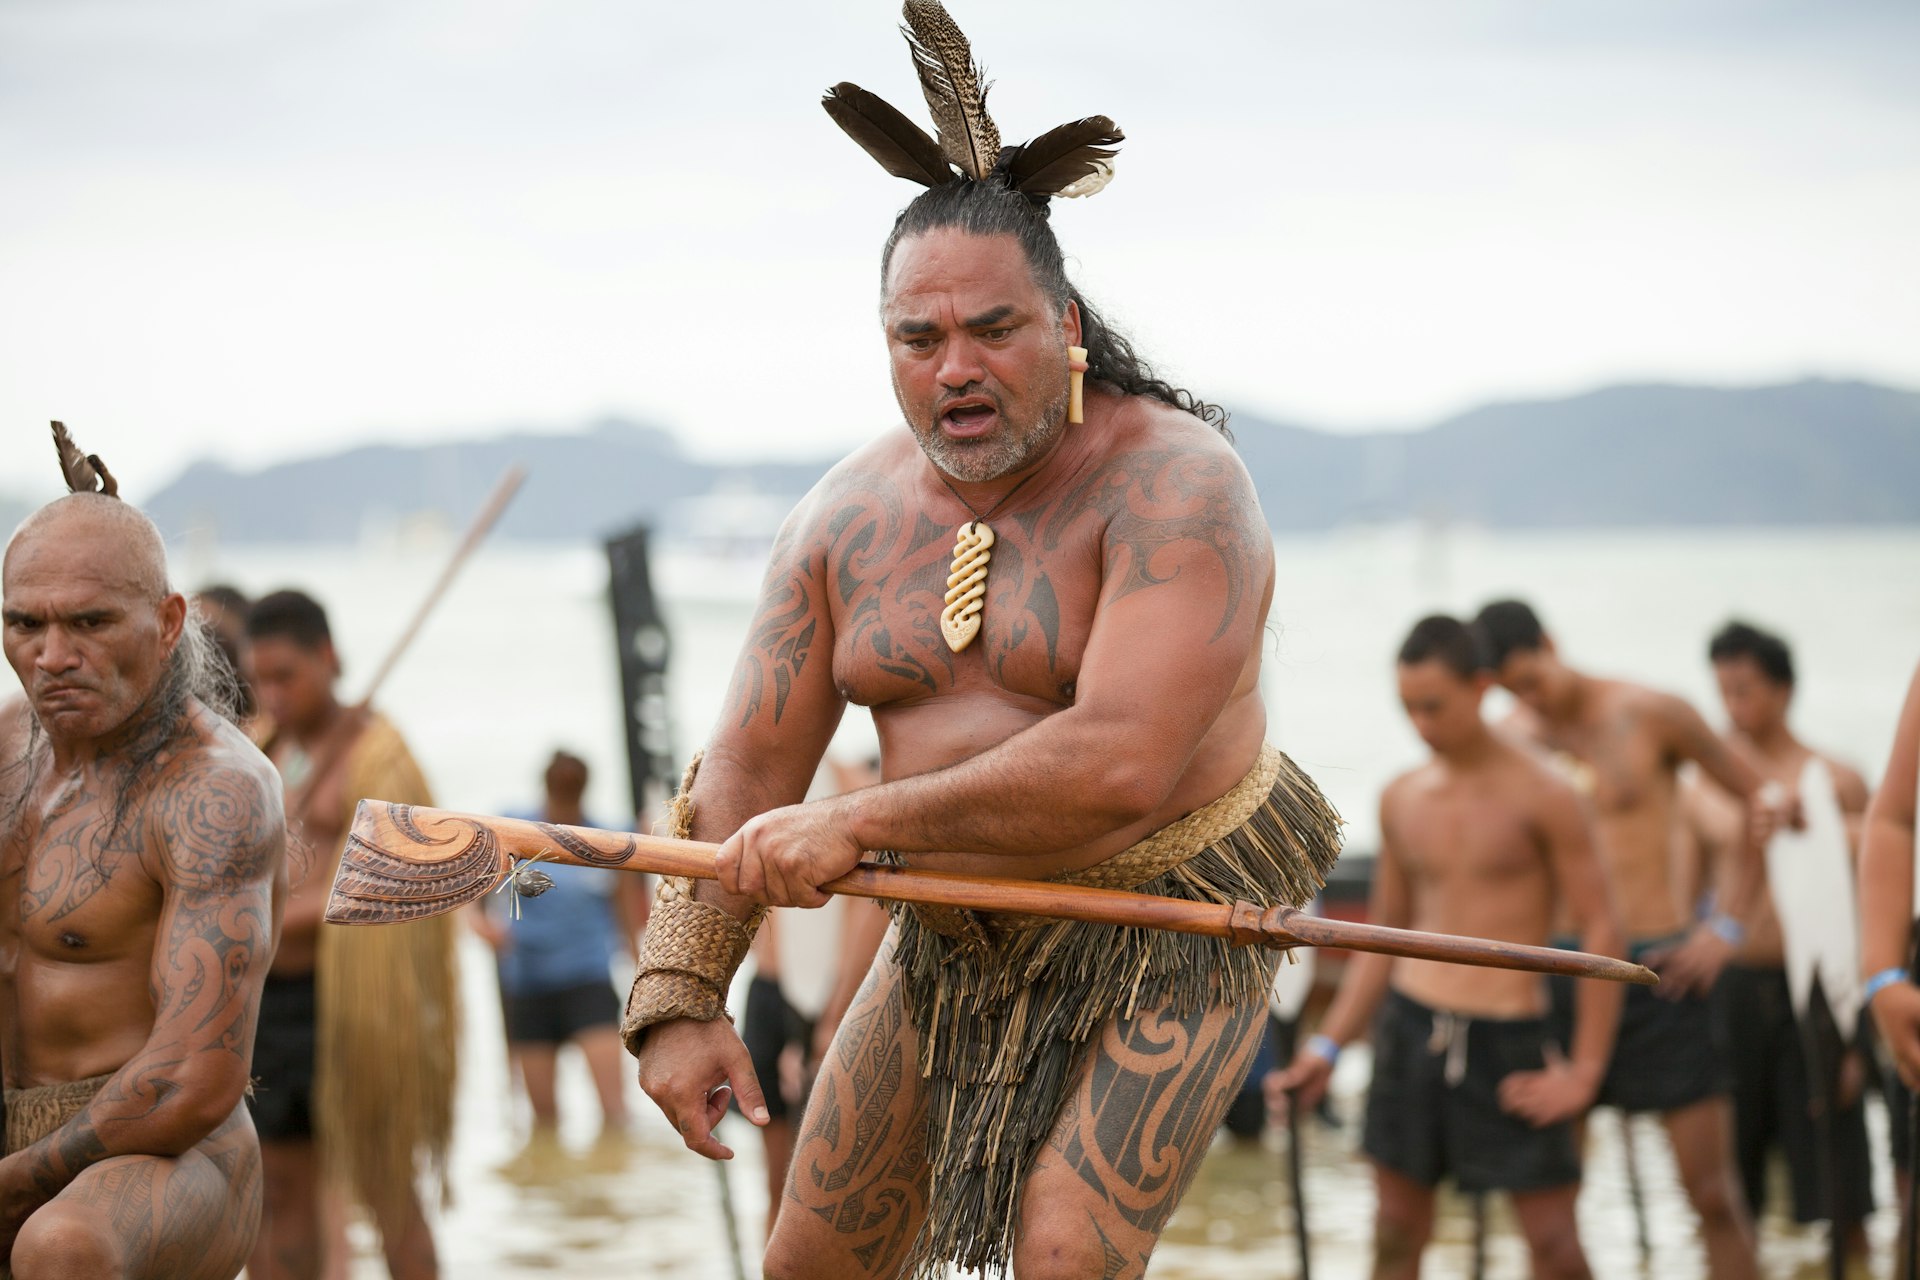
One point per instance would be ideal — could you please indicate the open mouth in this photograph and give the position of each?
(968, 419)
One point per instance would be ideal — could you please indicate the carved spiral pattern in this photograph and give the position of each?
(966, 584)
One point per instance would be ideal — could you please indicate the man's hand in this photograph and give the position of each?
(783, 856)
(1302, 1083)
(1896, 1012)
(1555, 1094)
(1692, 967)
(688, 1068)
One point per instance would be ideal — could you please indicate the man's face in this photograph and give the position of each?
(1754, 703)
(979, 354)
(294, 683)
(1534, 677)
(1443, 705)
(89, 642)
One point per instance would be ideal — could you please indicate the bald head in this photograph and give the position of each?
(115, 533)
(89, 621)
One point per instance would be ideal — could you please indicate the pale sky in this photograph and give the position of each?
(270, 228)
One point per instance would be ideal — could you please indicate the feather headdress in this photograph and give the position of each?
(84, 472)
(1075, 159)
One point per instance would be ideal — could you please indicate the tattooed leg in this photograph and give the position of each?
(187, 1217)
(857, 1188)
(1130, 1139)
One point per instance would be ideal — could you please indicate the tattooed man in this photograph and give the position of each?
(1003, 1091)
(141, 879)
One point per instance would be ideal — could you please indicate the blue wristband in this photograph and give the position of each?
(1880, 982)
(1326, 1048)
(1728, 928)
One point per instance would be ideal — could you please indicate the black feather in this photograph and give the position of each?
(1061, 156)
(902, 147)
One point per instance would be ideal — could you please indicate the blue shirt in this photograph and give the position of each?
(565, 937)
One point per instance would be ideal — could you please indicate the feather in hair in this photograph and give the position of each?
(1075, 159)
(901, 146)
(84, 472)
(955, 86)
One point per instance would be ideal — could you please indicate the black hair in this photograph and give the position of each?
(225, 596)
(993, 209)
(291, 615)
(1507, 627)
(1744, 640)
(1447, 640)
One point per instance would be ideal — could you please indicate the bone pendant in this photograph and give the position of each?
(966, 585)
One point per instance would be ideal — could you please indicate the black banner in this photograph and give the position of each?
(644, 646)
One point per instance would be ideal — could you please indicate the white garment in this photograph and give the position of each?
(1810, 872)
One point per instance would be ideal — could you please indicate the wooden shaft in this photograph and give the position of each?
(334, 752)
(403, 862)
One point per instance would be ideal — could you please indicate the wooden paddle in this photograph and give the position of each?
(404, 862)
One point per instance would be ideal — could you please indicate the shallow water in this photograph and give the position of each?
(645, 1206)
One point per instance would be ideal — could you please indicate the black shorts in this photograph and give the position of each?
(1767, 1062)
(1433, 1110)
(1665, 1054)
(768, 1026)
(282, 1098)
(555, 1017)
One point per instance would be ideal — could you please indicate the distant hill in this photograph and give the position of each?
(1813, 452)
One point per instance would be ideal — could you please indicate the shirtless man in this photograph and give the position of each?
(1469, 1077)
(142, 857)
(1626, 744)
(325, 1039)
(1888, 852)
(1766, 1049)
(1112, 689)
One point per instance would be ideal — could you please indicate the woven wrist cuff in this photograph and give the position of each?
(692, 950)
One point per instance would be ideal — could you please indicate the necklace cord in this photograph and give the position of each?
(988, 515)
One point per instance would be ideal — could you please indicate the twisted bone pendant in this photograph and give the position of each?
(966, 584)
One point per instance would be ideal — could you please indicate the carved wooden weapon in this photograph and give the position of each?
(405, 862)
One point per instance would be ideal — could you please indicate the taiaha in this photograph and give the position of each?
(405, 862)
(333, 753)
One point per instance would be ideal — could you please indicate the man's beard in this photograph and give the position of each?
(1009, 449)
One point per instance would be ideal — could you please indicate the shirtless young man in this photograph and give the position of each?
(333, 1019)
(1887, 855)
(141, 879)
(1627, 743)
(1766, 1048)
(1470, 1080)
(979, 1087)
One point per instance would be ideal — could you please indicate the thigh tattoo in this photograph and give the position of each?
(859, 1165)
(1153, 1092)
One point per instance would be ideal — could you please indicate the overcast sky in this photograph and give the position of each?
(267, 228)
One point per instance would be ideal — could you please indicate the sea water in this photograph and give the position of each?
(519, 660)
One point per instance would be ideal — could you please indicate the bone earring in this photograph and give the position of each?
(1075, 406)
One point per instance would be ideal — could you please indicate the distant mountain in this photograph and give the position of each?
(1813, 452)
(12, 512)
(578, 486)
